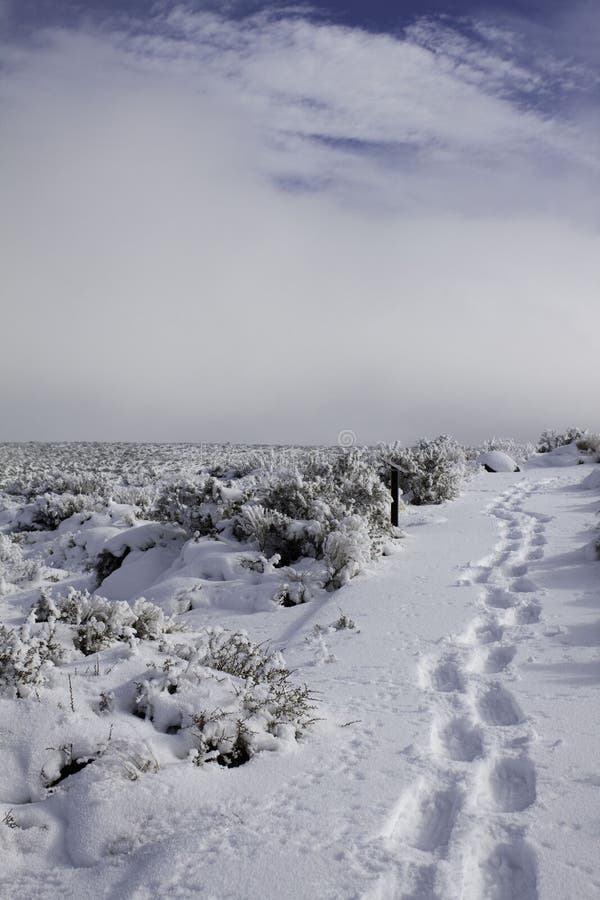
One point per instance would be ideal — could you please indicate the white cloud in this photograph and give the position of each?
(162, 286)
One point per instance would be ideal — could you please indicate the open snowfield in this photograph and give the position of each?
(455, 683)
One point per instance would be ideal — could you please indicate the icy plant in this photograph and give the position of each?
(344, 622)
(198, 505)
(100, 622)
(220, 737)
(149, 621)
(328, 490)
(237, 655)
(310, 511)
(230, 696)
(49, 510)
(278, 534)
(347, 551)
(26, 659)
(14, 568)
(295, 590)
(550, 440)
(589, 443)
(46, 610)
(9, 820)
(431, 471)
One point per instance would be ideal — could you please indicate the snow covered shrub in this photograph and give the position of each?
(327, 490)
(26, 659)
(277, 534)
(589, 443)
(347, 550)
(149, 621)
(295, 590)
(237, 655)
(99, 622)
(300, 507)
(50, 510)
(14, 569)
(431, 471)
(230, 697)
(197, 505)
(45, 610)
(549, 440)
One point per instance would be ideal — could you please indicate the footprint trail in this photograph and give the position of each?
(462, 827)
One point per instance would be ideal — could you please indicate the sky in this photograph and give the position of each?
(259, 222)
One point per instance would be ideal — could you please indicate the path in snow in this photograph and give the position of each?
(465, 817)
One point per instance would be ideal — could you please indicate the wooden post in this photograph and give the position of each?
(394, 471)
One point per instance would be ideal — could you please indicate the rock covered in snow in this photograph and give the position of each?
(496, 461)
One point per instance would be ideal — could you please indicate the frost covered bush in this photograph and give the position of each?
(347, 550)
(295, 590)
(237, 655)
(288, 513)
(549, 440)
(589, 443)
(100, 622)
(230, 696)
(277, 534)
(198, 505)
(431, 471)
(328, 490)
(26, 659)
(14, 568)
(301, 507)
(50, 510)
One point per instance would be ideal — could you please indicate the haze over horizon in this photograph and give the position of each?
(269, 224)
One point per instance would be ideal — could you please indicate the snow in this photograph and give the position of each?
(497, 461)
(455, 756)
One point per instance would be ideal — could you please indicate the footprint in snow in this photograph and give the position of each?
(491, 661)
(500, 598)
(512, 784)
(527, 613)
(507, 872)
(457, 739)
(431, 816)
(482, 630)
(535, 554)
(447, 677)
(497, 706)
(524, 585)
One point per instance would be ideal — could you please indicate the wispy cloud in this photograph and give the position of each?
(270, 225)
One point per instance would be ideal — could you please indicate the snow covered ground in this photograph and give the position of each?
(455, 756)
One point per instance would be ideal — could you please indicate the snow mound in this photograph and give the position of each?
(496, 461)
(567, 455)
(592, 482)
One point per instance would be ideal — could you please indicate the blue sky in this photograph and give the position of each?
(261, 223)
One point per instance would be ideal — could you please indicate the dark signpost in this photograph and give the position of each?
(395, 491)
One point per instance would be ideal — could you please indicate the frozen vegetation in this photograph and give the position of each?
(223, 673)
